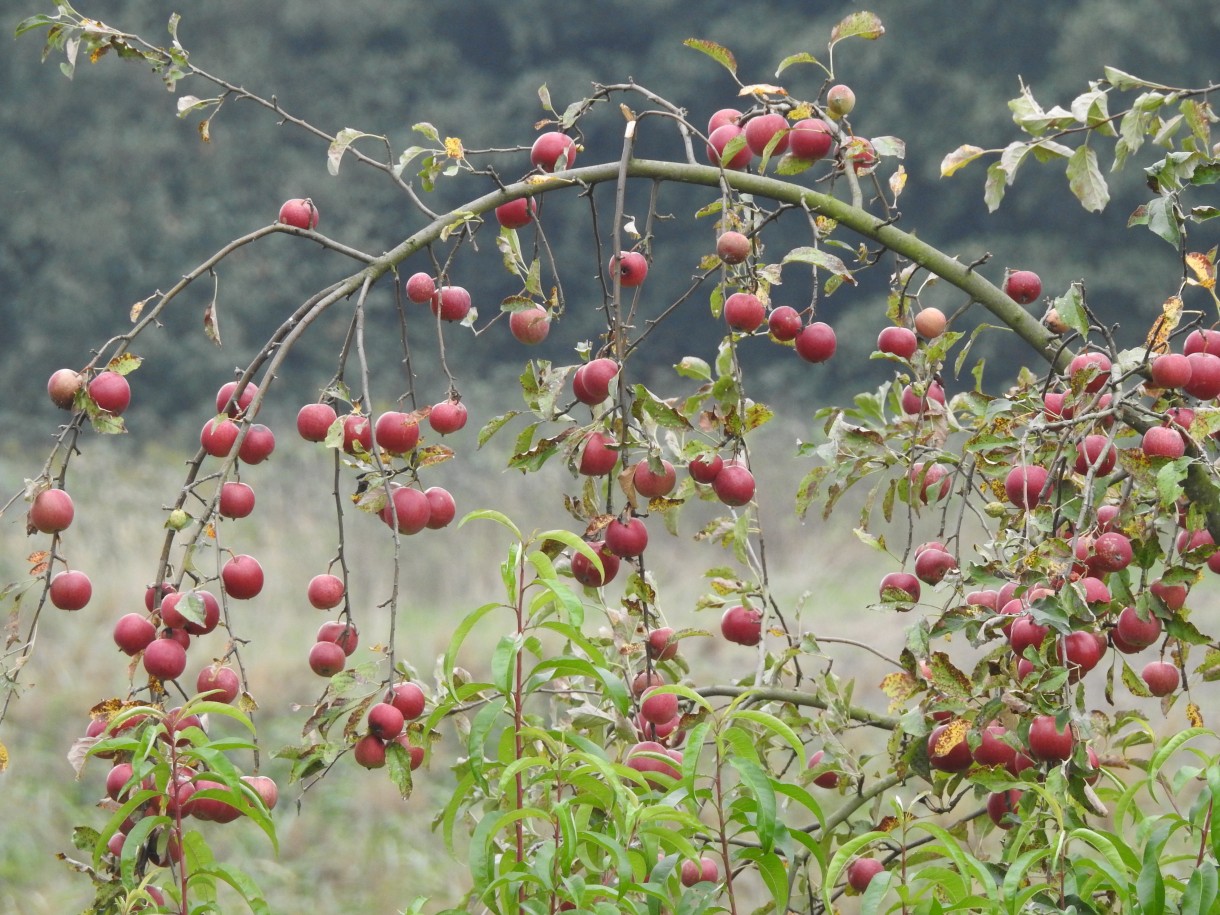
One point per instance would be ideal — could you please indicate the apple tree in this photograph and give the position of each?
(1052, 530)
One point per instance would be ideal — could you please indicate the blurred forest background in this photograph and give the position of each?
(110, 197)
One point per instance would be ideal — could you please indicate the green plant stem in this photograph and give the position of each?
(797, 697)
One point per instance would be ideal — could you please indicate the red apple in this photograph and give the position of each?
(442, 508)
(1081, 652)
(326, 659)
(1024, 484)
(409, 699)
(954, 758)
(653, 485)
(164, 659)
(1202, 341)
(598, 455)
(591, 382)
(626, 538)
(631, 268)
(314, 421)
(827, 779)
(742, 625)
(931, 566)
(451, 303)
(202, 607)
(816, 343)
(264, 786)
(744, 311)
(242, 577)
(762, 129)
(731, 247)
(703, 871)
(1204, 376)
(299, 212)
(70, 590)
(258, 444)
(553, 151)
(52, 511)
(861, 871)
(1173, 596)
(914, 404)
(902, 587)
(1097, 365)
(651, 758)
(385, 721)
(784, 323)
(420, 288)
(898, 341)
(530, 325)
(341, 633)
(1023, 286)
(111, 392)
(224, 679)
(236, 500)
(734, 485)
(224, 398)
(659, 708)
(517, 213)
(1164, 442)
(862, 154)
(661, 644)
(1025, 633)
(706, 468)
(722, 117)
(1096, 453)
(1111, 552)
(993, 750)
(719, 139)
(217, 436)
(62, 387)
(409, 508)
(1002, 807)
(369, 752)
(1161, 677)
(1047, 742)
(447, 417)
(585, 572)
(133, 632)
(1170, 370)
(1133, 632)
(325, 591)
(927, 481)
(395, 432)
(810, 139)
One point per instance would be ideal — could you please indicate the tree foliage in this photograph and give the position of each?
(1069, 517)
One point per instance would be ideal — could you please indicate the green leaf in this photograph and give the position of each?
(694, 367)
(1201, 890)
(1163, 220)
(1070, 307)
(756, 779)
(398, 764)
(240, 881)
(774, 725)
(774, 875)
(1086, 181)
(819, 258)
(716, 52)
(857, 25)
(802, 58)
(1150, 885)
(489, 514)
(997, 182)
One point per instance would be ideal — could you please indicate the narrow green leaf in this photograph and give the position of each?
(819, 258)
(803, 57)
(759, 783)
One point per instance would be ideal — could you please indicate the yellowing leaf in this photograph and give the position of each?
(718, 53)
(1193, 715)
(1158, 336)
(1204, 269)
(898, 181)
(858, 25)
(124, 364)
(953, 734)
(3, 758)
(958, 158)
(762, 89)
(454, 148)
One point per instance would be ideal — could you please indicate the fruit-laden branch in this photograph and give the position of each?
(858, 220)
